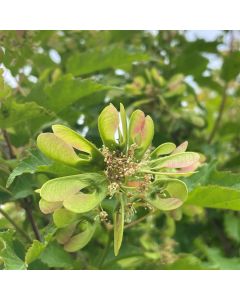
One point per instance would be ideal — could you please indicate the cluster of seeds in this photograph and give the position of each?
(103, 216)
(119, 166)
(144, 184)
(122, 168)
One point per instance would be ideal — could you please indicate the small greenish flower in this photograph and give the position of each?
(125, 170)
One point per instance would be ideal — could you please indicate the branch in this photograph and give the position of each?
(26, 206)
(220, 114)
(11, 154)
(139, 220)
(10, 220)
(109, 227)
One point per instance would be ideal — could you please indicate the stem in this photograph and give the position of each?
(8, 143)
(138, 220)
(109, 227)
(220, 114)
(26, 206)
(10, 220)
(26, 201)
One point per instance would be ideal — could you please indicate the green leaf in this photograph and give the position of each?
(23, 186)
(64, 92)
(118, 223)
(124, 260)
(209, 175)
(163, 149)
(224, 178)
(14, 114)
(141, 131)
(214, 196)
(68, 191)
(174, 193)
(214, 189)
(231, 66)
(80, 240)
(34, 251)
(91, 61)
(63, 217)
(30, 164)
(183, 64)
(55, 257)
(7, 253)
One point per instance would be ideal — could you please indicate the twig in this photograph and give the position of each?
(26, 206)
(220, 114)
(109, 227)
(8, 143)
(10, 220)
(138, 220)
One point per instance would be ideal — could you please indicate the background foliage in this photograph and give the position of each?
(189, 86)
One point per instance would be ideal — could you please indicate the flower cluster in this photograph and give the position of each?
(124, 170)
